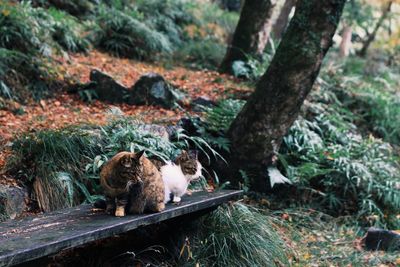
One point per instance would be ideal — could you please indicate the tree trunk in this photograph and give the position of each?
(345, 44)
(256, 133)
(283, 19)
(371, 37)
(248, 35)
(263, 36)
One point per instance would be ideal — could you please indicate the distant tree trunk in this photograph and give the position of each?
(371, 37)
(263, 36)
(345, 44)
(256, 133)
(248, 36)
(283, 19)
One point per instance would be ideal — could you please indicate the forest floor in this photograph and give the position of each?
(316, 242)
(66, 109)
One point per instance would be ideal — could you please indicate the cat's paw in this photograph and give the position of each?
(110, 209)
(159, 207)
(120, 212)
(176, 199)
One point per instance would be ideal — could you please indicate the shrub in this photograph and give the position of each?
(27, 42)
(168, 17)
(20, 27)
(204, 54)
(238, 235)
(123, 35)
(23, 76)
(73, 7)
(67, 32)
(349, 174)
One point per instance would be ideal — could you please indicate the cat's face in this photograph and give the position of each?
(188, 162)
(130, 167)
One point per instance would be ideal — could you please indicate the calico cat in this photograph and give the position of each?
(177, 175)
(131, 182)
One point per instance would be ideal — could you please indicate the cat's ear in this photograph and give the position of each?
(139, 154)
(184, 154)
(193, 154)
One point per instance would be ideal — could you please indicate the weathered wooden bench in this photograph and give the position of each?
(35, 237)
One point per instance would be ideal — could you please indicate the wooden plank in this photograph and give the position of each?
(34, 237)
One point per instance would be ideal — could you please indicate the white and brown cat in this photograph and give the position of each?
(177, 175)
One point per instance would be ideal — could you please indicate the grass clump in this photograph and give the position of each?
(168, 17)
(37, 31)
(238, 235)
(205, 54)
(124, 35)
(29, 38)
(53, 160)
(19, 27)
(73, 7)
(23, 76)
(67, 32)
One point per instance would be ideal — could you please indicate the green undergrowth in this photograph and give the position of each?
(124, 35)
(191, 33)
(236, 235)
(322, 240)
(180, 31)
(30, 37)
(373, 95)
(334, 153)
(64, 164)
(37, 31)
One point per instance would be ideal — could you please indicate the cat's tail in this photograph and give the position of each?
(100, 204)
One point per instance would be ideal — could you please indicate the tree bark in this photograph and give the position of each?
(371, 37)
(283, 19)
(248, 36)
(263, 36)
(256, 133)
(345, 44)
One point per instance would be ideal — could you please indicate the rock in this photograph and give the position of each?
(152, 89)
(156, 130)
(231, 5)
(12, 200)
(191, 125)
(167, 133)
(202, 102)
(106, 88)
(379, 239)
